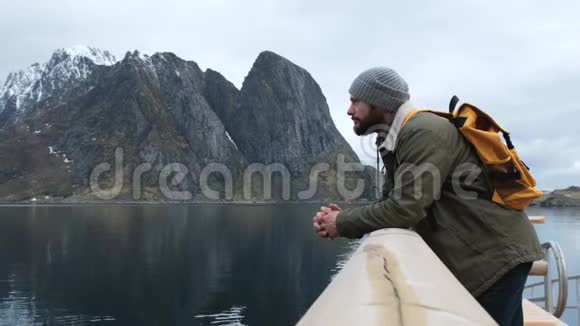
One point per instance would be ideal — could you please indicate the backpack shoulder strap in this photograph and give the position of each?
(439, 113)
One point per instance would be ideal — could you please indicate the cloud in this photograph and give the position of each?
(516, 59)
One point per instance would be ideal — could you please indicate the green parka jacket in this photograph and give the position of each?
(442, 191)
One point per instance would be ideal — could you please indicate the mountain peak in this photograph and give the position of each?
(136, 57)
(268, 53)
(97, 56)
(268, 58)
(65, 70)
(274, 65)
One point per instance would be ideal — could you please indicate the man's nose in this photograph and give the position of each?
(350, 110)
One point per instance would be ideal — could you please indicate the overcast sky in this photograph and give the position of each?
(518, 60)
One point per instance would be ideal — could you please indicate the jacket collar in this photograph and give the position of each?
(391, 140)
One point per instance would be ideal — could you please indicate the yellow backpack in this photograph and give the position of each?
(514, 185)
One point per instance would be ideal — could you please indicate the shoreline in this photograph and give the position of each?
(569, 197)
(236, 203)
(144, 203)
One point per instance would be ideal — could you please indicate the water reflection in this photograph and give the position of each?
(160, 265)
(230, 317)
(180, 265)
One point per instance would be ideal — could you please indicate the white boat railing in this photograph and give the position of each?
(394, 278)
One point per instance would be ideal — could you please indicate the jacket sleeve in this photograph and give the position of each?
(424, 164)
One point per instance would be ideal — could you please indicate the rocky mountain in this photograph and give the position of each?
(24, 91)
(85, 126)
(560, 198)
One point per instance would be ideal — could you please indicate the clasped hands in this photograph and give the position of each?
(324, 221)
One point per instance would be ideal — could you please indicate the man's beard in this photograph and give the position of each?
(365, 127)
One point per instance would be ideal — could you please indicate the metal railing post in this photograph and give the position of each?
(547, 281)
(562, 280)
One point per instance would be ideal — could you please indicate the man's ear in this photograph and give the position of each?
(388, 117)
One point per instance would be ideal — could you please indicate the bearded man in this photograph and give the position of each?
(487, 246)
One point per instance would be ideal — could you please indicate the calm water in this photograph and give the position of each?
(179, 265)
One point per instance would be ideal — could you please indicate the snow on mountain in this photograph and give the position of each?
(97, 56)
(71, 63)
(231, 140)
(18, 85)
(65, 69)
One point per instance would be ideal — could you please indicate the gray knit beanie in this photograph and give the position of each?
(382, 87)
